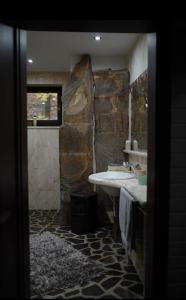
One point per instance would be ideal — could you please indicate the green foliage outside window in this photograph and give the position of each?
(44, 96)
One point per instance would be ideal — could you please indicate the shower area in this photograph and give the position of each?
(94, 126)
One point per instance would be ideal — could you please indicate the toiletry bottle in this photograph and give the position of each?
(134, 145)
(127, 145)
(34, 119)
(35, 122)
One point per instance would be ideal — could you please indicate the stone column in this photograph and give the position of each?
(76, 134)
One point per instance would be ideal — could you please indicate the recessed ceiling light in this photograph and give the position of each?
(30, 61)
(97, 38)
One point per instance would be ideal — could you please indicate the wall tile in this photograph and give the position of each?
(43, 168)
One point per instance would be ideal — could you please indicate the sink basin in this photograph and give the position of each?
(110, 181)
(113, 175)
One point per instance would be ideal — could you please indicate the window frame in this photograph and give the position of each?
(32, 88)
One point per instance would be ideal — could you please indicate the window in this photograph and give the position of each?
(44, 105)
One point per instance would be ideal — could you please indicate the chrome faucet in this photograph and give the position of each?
(133, 166)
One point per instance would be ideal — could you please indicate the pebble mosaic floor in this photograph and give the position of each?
(120, 281)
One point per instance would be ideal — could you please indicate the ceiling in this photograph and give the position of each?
(56, 51)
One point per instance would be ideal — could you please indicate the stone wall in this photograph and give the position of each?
(111, 120)
(108, 103)
(111, 116)
(139, 112)
(76, 134)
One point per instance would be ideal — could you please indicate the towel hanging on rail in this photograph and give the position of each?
(126, 219)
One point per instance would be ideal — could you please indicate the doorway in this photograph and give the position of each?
(110, 87)
(152, 81)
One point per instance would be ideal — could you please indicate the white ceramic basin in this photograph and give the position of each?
(110, 181)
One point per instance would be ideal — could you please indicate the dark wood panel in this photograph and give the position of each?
(22, 163)
(177, 275)
(8, 218)
(177, 220)
(177, 206)
(181, 103)
(178, 176)
(158, 168)
(178, 145)
(177, 249)
(177, 262)
(178, 160)
(176, 289)
(177, 233)
(179, 87)
(13, 184)
(178, 115)
(177, 190)
(178, 131)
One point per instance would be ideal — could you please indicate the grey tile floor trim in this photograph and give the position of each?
(120, 280)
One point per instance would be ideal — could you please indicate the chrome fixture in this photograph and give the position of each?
(133, 167)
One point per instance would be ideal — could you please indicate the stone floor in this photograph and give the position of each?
(120, 281)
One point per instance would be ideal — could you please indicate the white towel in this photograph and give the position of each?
(126, 203)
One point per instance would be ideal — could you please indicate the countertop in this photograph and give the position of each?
(139, 192)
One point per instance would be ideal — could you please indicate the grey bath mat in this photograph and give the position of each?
(54, 264)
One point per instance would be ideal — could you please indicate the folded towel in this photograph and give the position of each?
(126, 219)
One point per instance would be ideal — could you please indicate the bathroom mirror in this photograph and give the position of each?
(139, 110)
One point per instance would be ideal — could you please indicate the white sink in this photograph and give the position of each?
(111, 191)
(110, 181)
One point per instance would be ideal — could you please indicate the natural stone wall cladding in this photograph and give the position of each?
(111, 115)
(111, 124)
(109, 104)
(76, 134)
(139, 113)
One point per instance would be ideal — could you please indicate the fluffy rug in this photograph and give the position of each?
(54, 264)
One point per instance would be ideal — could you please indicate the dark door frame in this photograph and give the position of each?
(158, 162)
(14, 229)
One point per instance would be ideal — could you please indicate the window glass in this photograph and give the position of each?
(44, 105)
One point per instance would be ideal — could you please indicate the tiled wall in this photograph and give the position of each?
(43, 168)
(43, 152)
(57, 78)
